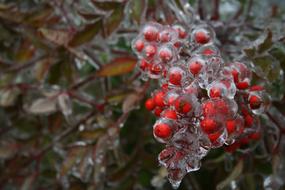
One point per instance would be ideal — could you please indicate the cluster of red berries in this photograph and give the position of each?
(203, 102)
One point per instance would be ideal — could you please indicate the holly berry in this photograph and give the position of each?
(201, 36)
(157, 111)
(170, 114)
(209, 125)
(150, 50)
(242, 85)
(165, 54)
(231, 126)
(181, 31)
(144, 65)
(162, 130)
(195, 66)
(215, 92)
(139, 45)
(149, 104)
(175, 75)
(159, 99)
(255, 102)
(150, 33)
(182, 106)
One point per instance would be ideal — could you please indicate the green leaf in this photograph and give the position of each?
(137, 9)
(265, 42)
(107, 5)
(39, 16)
(92, 134)
(118, 66)
(250, 51)
(264, 64)
(87, 34)
(113, 21)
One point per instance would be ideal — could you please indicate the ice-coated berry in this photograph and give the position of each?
(149, 104)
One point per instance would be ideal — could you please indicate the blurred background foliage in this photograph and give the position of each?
(71, 114)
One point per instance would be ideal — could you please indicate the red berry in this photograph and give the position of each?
(208, 52)
(201, 37)
(231, 126)
(256, 88)
(139, 45)
(214, 137)
(165, 54)
(235, 75)
(208, 108)
(242, 85)
(164, 86)
(150, 33)
(255, 102)
(181, 31)
(155, 69)
(143, 65)
(149, 104)
(215, 92)
(170, 114)
(162, 130)
(182, 106)
(150, 50)
(159, 99)
(175, 76)
(164, 36)
(209, 125)
(157, 111)
(248, 120)
(195, 67)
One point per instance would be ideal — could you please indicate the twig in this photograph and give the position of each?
(201, 9)
(19, 67)
(83, 82)
(65, 133)
(216, 14)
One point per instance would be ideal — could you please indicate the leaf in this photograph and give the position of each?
(117, 97)
(263, 64)
(89, 16)
(74, 154)
(130, 102)
(39, 16)
(232, 176)
(92, 134)
(265, 42)
(118, 66)
(112, 22)
(41, 68)
(58, 37)
(250, 51)
(43, 106)
(137, 10)
(87, 34)
(106, 5)
(9, 96)
(64, 104)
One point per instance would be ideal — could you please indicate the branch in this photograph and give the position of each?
(19, 67)
(216, 13)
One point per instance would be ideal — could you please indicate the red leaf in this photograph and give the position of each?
(118, 66)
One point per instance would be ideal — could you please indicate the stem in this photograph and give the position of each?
(216, 14)
(200, 9)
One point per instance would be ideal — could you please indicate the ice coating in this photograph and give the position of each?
(203, 102)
